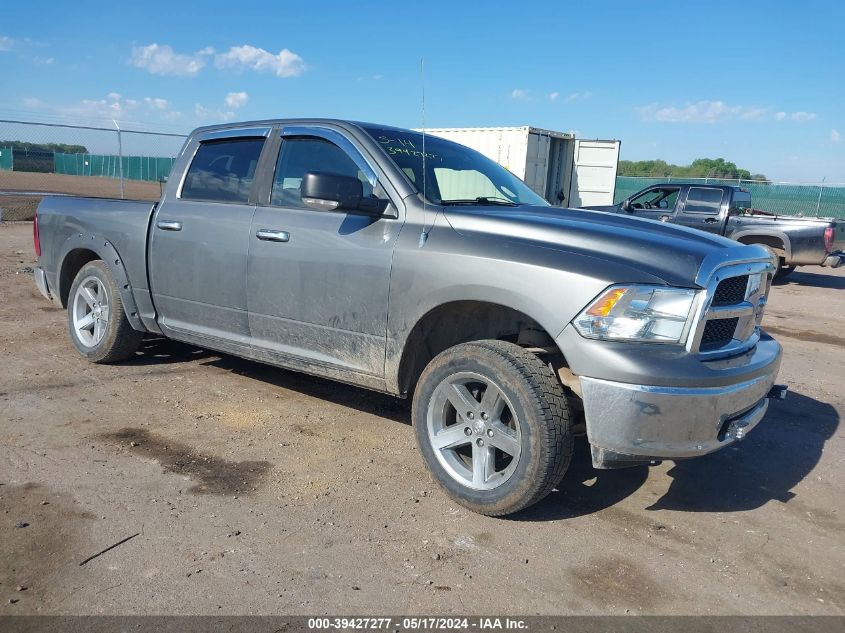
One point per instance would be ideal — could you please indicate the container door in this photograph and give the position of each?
(557, 181)
(593, 173)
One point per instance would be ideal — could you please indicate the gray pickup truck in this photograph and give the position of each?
(417, 267)
(726, 210)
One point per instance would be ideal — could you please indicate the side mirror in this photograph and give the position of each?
(327, 192)
(626, 205)
(334, 192)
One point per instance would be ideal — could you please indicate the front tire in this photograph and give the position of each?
(493, 425)
(96, 318)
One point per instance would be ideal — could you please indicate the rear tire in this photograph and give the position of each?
(493, 425)
(783, 271)
(96, 319)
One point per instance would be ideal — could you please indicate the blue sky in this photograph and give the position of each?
(758, 83)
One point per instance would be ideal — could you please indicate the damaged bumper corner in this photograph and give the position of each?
(629, 424)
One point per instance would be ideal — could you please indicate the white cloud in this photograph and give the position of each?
(575, 96)
(285, 64)
(157, 103)
(780, 116)
(553, 96)
(701, 112)
(519, 94)
(161, 59)
(6, 43)
(235, 100)
(802, 116)
(835, 136)
(43, 61)
(206, 115)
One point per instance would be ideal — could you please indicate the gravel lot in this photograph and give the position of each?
(254, 490)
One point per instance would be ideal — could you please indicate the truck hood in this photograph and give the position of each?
(610, 208)
(667, 252)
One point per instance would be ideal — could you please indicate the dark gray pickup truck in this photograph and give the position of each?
(415, 266)
(726, 210)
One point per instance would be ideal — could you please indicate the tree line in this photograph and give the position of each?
(36, 148)
(699, 168)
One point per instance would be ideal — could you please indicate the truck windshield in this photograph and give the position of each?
(454, 174)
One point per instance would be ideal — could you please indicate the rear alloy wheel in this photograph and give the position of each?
(493, 426)
(96, 319)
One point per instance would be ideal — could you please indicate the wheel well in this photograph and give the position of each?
(461, 322)
(775, 243)
(72, 264)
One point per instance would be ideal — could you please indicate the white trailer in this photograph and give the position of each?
(564, 170)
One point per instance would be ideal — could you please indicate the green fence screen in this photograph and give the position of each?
(134, 167)
(6, 158)
(781, 198)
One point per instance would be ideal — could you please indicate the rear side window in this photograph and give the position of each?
(741, 201)
(703, 200)
(223, 171)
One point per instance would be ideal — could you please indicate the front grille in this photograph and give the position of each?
(731, 291)
(718, 332)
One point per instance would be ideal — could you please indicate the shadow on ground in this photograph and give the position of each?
(766, 466)
(813, 280)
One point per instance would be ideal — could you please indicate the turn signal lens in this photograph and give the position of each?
(604, 304)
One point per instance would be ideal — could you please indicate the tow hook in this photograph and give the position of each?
(778, 392)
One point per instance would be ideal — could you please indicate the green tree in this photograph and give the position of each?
(699, 168)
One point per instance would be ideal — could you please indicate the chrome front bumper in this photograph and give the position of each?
(629, 424)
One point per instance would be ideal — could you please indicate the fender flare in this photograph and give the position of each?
(105, 251)
(783, 237)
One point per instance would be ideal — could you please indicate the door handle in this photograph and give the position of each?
(269, 235)
(665, 218)
(169, 225)
(710, 220)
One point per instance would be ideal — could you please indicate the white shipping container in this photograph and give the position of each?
(562, 169)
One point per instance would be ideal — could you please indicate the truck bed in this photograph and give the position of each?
(122, 223)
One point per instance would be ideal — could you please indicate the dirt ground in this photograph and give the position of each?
(258, 491)
(21, 206)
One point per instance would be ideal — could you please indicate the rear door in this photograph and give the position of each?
(200, 239)
(594, 166)
(318, 280)
(701, 209)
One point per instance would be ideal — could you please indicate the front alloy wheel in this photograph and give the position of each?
(473, 429)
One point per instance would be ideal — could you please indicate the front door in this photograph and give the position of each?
(656, 203)
(200, 239)
(318, 280)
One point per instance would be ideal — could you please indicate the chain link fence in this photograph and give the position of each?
(50, 158)
(41, 158)
(783, 198)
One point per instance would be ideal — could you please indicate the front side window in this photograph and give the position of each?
(452, 174)
(656, 199)
(300, 155)
(703, 200)
(223, 170)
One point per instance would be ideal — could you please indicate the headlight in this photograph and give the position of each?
(638, 313)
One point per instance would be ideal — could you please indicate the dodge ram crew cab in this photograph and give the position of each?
(415, 266)
(727, 210)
